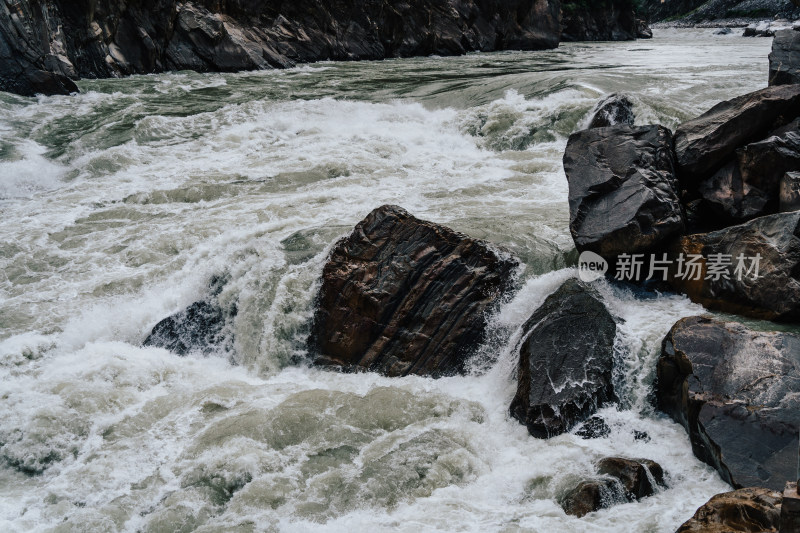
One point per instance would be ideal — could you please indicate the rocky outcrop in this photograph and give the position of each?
(789, 195)
(403, 296)
(750, 510)
(705, 144)
(643, 31)
(784, 60)
(736, 391)
(751, 269)
(599, 20)
(42, 44)
(622, 480)
(738, 12)
(203, 327)
(566, 361)
(623, 193)
(612, 110)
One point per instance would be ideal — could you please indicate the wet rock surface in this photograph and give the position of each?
(566, 361)
(622, 480)
(784, 60)
(404, 296)
(735, 390)
(111, 38)
(705, 144)
(726, 278)
(612, 110)
(749, 510)
(623, 193)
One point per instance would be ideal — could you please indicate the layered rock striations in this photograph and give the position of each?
(44, 45)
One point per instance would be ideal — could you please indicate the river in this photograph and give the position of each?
(119, 205)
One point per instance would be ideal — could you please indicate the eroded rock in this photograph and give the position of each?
(612, 110)
(404, 296)
(736, 391)
(750, 510)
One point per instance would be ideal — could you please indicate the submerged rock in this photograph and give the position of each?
(404, 296)
(623, 480)
(594, 428)
(202, 327)
(566, 361)
(737, 393)
(612, 110)
(784, 60)
(44, 44)
(750, 510)
(751, 269)
(705, 144)
(623, 193)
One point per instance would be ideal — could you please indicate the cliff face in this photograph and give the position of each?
(598, 20)
(707, 10)
(46, 44)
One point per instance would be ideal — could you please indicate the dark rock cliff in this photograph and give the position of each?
(598, 20)
(45, 44)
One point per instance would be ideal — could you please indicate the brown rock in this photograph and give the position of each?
(750, 510)
(633, 475)
(403, 296)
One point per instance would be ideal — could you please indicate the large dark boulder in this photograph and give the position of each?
(404, 296)
(705, 144)
(784, 60)
(750, 510)
(612, 110)
(737, 393)
(108, 38)
(725, 277)
(749, 185)
(621, 480)
(566, 361)
(623, 193)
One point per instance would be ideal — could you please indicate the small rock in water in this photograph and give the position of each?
(613, 109)
(641, 435)
(594, 428)
(723, 31)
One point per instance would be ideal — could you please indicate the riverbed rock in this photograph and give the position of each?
(705, 144)
(45, 44)
(566, 361)
(612, 110)
(726, 278)
(737, 393)
(784, 60)
(404, 296)
(622, 480)
(623, 193)
(748, 510)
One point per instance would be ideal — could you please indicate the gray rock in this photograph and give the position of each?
(774, 293)
(404, 296)
(623, 194)
(612, 110)
(705, 144)
(737, 393)
(723, 31)
(784, 60)
(566, 361)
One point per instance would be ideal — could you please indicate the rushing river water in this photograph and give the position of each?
(119, 205)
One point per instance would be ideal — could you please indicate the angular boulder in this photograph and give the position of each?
(750, 510)
(751, 269)
(643, 31)
(566, 361)
(737, 393)
(622, 480)
(784, 60)
(623, 193)
(706, 143)
(612, 110)
(789, 195)
(404, 296)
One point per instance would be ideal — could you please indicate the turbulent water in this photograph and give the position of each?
(119, 205)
